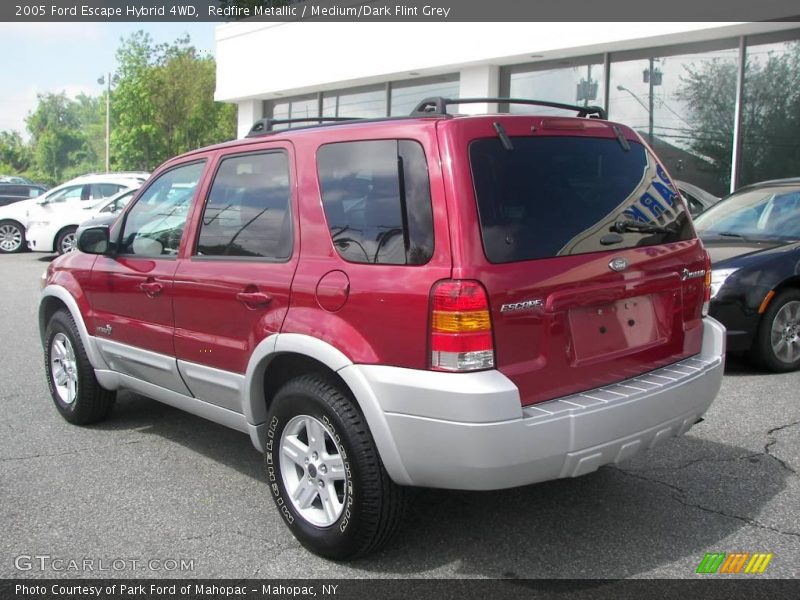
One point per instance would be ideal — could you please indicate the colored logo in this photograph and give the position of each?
(735, 563)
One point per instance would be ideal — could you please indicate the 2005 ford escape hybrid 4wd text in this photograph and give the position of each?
(464, 302)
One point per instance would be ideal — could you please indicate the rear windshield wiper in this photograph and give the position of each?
(624, 225)
(501, 133)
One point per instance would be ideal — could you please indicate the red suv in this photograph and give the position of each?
(464, 302)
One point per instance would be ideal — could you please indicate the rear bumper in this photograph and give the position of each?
(469, 431)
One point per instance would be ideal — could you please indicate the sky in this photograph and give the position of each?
(69, 57)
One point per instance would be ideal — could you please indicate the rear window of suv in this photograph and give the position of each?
(555, 196)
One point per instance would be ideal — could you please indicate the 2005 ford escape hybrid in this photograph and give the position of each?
(465, 302)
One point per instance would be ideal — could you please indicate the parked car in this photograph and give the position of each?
(86, 189)
(15, 179)
(54, 230)
(14, 192)
(463, 302)
(753, 237)
(697, 199)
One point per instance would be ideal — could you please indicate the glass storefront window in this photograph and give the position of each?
(295, 108)
(365, 103)
(407, 94)
(683, 105)
(581, 84)
(770, 121)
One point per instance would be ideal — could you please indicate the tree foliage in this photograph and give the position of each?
(55, 134)
(14, 153)
(162, 104)
(770, 114)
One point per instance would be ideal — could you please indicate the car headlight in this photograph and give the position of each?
(718, 278)
(38, 224)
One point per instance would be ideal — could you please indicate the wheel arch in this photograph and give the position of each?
(58, 234)
(54, 298)
(282, 357)
(22, 227)
(790, 282)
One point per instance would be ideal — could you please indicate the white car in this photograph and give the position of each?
(696, 198)
(86, 190)
(53, 229)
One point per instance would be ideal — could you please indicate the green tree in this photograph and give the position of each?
(770, 114)
(56, 136)
(163, 104)
(14, 154)
(91, 113)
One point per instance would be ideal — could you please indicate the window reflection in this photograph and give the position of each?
(683, 105)
(406, 95)
(367, 103)
(771, 126)
(580, 84)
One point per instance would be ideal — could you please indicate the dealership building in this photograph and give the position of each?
(718, 102)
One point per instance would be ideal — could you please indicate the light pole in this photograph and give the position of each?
(649, 110)
(107, 80)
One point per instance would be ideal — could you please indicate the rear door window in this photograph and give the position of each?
(554, 196)
(377, 201)
(104, 190)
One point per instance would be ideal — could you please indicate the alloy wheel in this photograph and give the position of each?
(64, 368)
(10, 237)
(313, 470)
(785, 334)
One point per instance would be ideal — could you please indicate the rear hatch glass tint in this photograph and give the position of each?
(563, 195)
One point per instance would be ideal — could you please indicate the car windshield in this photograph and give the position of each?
(766, 213)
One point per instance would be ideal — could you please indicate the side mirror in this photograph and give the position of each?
(94, 240)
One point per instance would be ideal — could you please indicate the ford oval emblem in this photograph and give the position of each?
(618, 264)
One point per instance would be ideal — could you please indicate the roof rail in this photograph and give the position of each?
(437, 105)
(267, 124)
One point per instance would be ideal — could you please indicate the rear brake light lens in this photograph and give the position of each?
(461, 327)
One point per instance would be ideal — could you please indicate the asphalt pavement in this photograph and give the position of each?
(156, 484)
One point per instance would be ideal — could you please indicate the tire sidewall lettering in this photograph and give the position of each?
(347, 513)
(269, 448)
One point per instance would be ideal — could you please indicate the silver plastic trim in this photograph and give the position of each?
(57, 291)
(215, 386)
(158, 369)
(212, 412)
(454, 443)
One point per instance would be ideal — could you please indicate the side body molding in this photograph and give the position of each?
(253, 405)
(255, 408)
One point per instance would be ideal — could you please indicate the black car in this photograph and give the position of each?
(753, 237)
(13, 192)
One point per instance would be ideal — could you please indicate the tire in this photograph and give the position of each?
(12, 237)
(65, 240)
(777, 344)
(70, 376)
(364, 506)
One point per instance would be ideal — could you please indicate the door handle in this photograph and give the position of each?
(151, 288)
(253, 299)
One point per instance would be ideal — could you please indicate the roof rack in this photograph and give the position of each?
(267, 124)
(437, 105)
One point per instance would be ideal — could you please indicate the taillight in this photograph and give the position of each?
(707, 287)
(461, 328)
